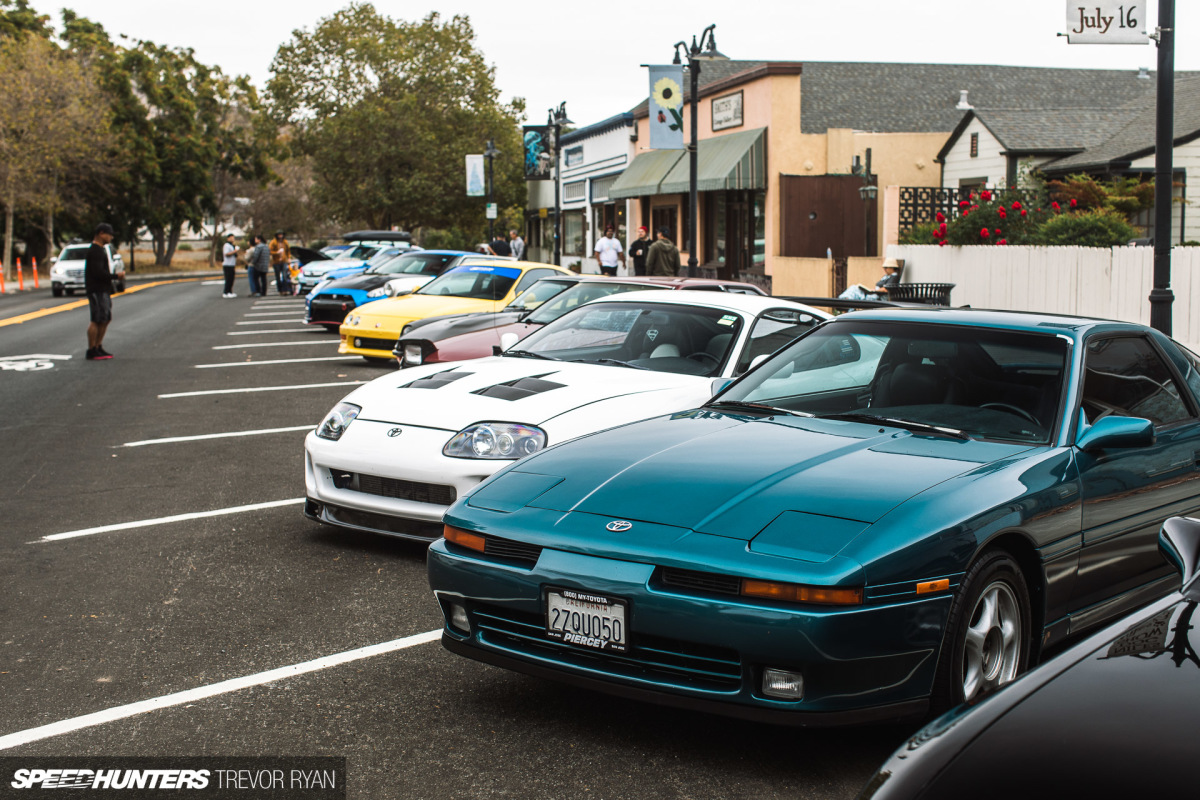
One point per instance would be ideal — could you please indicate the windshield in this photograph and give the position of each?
(578, 295)
(413, 264)
(665, 337)
(536, 295)
(982, 382)
(479, 283)
(76, 253)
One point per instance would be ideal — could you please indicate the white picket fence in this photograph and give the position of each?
(1083, 281)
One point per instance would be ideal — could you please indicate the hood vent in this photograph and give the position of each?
(520, 388)
(437, 380)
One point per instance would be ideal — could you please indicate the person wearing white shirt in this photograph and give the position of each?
(229, 264)
(609, 252)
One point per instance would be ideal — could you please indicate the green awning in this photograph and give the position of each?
(733, 161)
(645, 173)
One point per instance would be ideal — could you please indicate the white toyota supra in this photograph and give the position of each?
(396, 452)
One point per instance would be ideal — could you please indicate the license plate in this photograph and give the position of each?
(587, 619)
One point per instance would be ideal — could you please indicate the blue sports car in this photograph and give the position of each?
(897, 512)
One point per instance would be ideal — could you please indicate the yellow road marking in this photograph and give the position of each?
(45, 312)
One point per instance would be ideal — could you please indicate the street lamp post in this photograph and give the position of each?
(490, 153)
(868, 192)
(556, 118)
(696, 53)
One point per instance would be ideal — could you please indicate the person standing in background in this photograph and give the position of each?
(281, 254)
(229, 264)
(609, 252)
(663, 257)
(499, 247)
(98, 283)
(258, 264)
(517, 245)
(638, 249)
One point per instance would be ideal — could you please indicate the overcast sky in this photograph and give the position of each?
(589, 56)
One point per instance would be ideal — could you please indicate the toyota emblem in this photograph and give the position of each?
(619, 526)
(394, 432)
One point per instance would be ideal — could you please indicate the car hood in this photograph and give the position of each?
(441, 329)
(732, 475)
(436, 397)
(417, 306)
(363, 281)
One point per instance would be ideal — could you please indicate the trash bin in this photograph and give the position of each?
(934, 294)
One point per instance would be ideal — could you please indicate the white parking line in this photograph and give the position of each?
(147, 523)
(276, 361)
(217, 282)
(269, 313)
(259, 389)
(173, 439)
(277, 330)
(273, 344)
(212, 690)
(262, 322)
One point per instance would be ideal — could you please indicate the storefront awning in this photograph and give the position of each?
(644, 175)
(733, 161)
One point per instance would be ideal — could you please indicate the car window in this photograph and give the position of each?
(532, 276)
(415, 264)
(479, 283)
(1190, 369)
(74, 253)
(1125, 377)
(987, 383)
(772, 330)
(579, 294)
(539, 293)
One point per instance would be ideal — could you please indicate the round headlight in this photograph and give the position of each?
(337, 421)
(496, 440)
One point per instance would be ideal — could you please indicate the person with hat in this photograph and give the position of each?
(638, 249)
(281, 254)
(663, 256)
(891, 277)
(98, 283)
(229, 264)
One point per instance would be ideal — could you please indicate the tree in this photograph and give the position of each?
(387, 110)
(45, 126)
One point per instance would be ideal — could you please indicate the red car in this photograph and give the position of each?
(467, 336)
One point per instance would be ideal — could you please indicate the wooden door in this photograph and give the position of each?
(825, 213)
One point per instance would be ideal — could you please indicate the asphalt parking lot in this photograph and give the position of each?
(164, 595)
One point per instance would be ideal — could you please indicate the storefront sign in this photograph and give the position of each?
(1106, 22)
(727, 111)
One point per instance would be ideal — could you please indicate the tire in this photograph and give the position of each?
(332, 328)
(988, 633)
(70, 292)
(57, 291)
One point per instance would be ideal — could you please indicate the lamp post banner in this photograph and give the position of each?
(537, 152)
(666, 107)
(475, 186)
(1106, 22)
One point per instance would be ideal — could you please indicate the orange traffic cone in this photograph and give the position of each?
(35, 275)
(20, 277)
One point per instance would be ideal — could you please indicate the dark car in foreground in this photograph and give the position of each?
(1114, 716)
(898, 511)
(464, 336)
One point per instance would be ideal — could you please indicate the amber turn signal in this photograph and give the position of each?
(796, 593)
(933, 586)
(471, 541)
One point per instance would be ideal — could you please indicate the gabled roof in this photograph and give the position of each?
(1062, 131)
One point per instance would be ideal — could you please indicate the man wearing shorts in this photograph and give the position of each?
(97, 281)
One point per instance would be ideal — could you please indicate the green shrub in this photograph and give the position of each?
(1097, 228)
(184, 246)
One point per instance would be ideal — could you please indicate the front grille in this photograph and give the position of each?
(516, 551)
(434, 493)
(657, 658)
(328, 312)
(708, 582)
(368, 343)
(75, 274)
(381, 522)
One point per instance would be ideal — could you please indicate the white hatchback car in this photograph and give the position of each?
(396, 452)
(66, 271)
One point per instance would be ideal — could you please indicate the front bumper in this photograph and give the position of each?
(691, 649)
(398, 485)
(364, 340)
(330, 309)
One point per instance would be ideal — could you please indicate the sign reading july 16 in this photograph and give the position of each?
(1106, 22)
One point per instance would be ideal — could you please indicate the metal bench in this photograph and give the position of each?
(934, 294)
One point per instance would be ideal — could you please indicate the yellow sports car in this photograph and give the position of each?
(372, 331)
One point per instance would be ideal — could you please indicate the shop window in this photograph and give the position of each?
(574, 191)
(666, 216)
(572, 244)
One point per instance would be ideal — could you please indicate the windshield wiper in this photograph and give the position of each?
(907, 424)
(740, 404)
(529, 354)
(607, 361)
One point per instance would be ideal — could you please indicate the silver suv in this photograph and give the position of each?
(66, 271)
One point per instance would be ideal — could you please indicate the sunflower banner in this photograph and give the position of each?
(666, 107)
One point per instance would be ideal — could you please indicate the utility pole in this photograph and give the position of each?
(490, 153)
(1161, 296)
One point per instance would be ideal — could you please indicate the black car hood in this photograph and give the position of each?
(458, 324)
(364, 282)
(307, 255)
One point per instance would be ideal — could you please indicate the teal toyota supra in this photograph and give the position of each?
(896, 513)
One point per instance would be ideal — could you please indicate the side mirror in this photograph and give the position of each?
(507, 341)
(53, 259)
(719, 385)
(758, 360)
(1179, 542)
(1112, 432)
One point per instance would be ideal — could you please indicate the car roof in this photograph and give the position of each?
(1028, 321)
(751, 304)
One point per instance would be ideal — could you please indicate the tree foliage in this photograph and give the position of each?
(387, 110)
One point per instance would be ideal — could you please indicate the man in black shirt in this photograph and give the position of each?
(499, 247)
(97, 281)
(638, 249)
